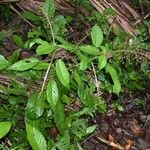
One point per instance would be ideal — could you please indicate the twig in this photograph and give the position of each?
(46, 75)
(16, 11)
(50, 25)
(92, 135)
(110, 143)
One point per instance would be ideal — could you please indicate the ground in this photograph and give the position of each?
(117, 129)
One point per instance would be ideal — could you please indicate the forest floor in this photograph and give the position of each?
(118, 129)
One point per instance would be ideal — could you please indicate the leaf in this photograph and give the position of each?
(84, 64)
(31, 16)
(41, 66)
(91, 129)
(58, 25)
(79, 128)
(91, 50)
(62, 73)
(4, 128)
(25, 64)
(3, 63)
(35, 138)
(52, 94)
(16, 88)
(59, 117)
(45, 48)
(102, 61)
(78, 79)
(49, 7)
(63, 142)
(115, 78)
(79, 146)
(18, 41)
(35, 106)
(97, 36)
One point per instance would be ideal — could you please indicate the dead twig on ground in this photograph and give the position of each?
(111, 143)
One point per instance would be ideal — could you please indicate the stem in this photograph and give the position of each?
(50, 25)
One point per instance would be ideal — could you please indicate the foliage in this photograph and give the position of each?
(46, 101)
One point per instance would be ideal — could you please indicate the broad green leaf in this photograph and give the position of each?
(24, 64)
(79, 128)
(65, 44)
(62, 73)
(31, 16)
(49, 7)
(62, 40)
(4, 128)
(59, 117)
(41, 66)
(115, 78)
(78, 79)
(52, 93)
(35, 106)
(38, 41)
(91, 129)
(102, 61)
(91, 50)
(84, 64)
(58, 25)
(97, 36)
(68, 47)
(3, 63)
(35, 138)
(45, 48)
(17, 88)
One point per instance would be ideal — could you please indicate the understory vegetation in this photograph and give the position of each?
(66, 69)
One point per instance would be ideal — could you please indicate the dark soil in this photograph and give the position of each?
(129, 129)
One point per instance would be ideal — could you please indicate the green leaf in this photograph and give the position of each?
(52, 94)
(41, 66)
(59, 117)
(91, 50)
(79, 128)
(16, 88)
(4, 128)
(91, 129)
(115, 78)
(102, 61)
(14, 57)
(84, 64)
(35, 106)
(58, 25)
(63, 142)
(97, 36)
(18, 41)
(62, 73)
(79, 146)
(3, 63)
(49, 7)
(31, 16)
(45, 48)
(78, 79)
(25, 64)
(35, 138)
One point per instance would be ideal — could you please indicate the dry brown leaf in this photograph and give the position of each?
(129, 144)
